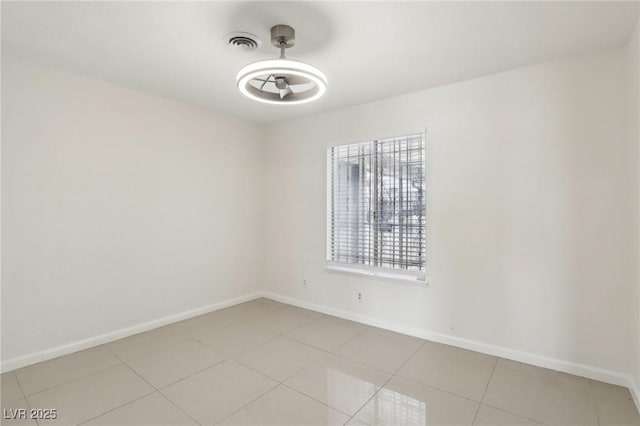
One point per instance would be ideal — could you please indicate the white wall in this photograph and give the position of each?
(118, 208)
(633, 81)
(528, 212)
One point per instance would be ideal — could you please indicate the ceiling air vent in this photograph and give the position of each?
(243, 40)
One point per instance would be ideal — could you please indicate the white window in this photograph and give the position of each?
(376, 207)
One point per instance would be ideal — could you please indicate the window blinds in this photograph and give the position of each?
(376, 203)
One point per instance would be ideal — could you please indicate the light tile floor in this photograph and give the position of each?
(264, 362)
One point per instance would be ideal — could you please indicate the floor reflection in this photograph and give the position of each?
(391, 407)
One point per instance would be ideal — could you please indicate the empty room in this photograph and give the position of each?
(320, 213)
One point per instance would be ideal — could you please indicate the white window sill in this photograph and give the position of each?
(377, 273)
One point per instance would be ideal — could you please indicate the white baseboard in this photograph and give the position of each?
(587, 371)
(35, 357)
(634, 389)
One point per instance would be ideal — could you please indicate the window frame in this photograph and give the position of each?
(419, 278)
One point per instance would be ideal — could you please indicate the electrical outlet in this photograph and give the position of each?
(359, 297)
(304, 283)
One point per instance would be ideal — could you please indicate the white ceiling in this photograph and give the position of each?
(368, 50)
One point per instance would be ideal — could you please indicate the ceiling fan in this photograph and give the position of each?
(283, 83)
(282, 80)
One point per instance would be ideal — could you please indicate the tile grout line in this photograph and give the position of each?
(452, 393)
(499, 408)
(313, 363)
(475, 416)
(159, 349)
(128, 402)
(248, 403)
(365, 327)
(233, 357)
(24, 395)
(326, 353)
(284, 383)
(153, 387)
(297, 327)
(253, 317)
(158, 390)
(192, 374)
(179, 407)
(250, 319)
(393, 375)
(346, 359)
(119, 406)
(28, 404)
(422, 342)
(593, 400)
(331, 351)
(273, 378)
(183, 338)
(74, 380)
(230, 355)
(285, 306)
(226, 357)
(448, 392)
(316, 400)
(278, 383)
(519, 415)
(232, 321)
(516, 414)
(68, 381)
(236, 356)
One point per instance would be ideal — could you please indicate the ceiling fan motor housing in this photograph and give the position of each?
(283, 35)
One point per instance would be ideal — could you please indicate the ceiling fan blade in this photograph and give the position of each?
(293, 80)
(285, 92)
(264, 81)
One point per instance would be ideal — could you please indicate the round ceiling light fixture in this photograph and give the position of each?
(282, 81)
